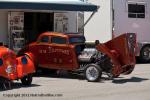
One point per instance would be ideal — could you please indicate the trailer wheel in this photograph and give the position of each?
(145, 54)
(93, 72)
(27, 80)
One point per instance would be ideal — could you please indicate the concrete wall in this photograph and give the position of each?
(4, 27)
(134, 25)
(100, 26)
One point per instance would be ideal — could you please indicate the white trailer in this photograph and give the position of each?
(123, 16)
(133, 16)
(100, 26)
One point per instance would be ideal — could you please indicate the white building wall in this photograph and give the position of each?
(4, 27)
(100, 26)
(65, 21)
(72, 21)
(134, 25)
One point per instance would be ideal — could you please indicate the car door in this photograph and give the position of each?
(42, 49)
(60, 53)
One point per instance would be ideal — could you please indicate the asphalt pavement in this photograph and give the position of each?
(135, 86)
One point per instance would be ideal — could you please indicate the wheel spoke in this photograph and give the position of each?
(92, 73)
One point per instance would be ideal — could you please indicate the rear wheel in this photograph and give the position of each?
(93, 73)
(27, 80)
(145, 54)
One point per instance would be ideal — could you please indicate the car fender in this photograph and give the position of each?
(30, 55)
(24, 69)
(114, 57)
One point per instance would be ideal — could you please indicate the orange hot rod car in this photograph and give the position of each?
(70, 52)
(12, 68)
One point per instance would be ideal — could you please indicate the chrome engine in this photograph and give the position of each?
(87, 55)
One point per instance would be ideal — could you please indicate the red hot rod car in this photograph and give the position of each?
(12, 68)
(70, 52)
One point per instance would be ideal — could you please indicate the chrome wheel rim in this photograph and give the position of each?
(92, 73)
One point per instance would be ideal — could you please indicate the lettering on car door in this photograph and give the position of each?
(60, 52)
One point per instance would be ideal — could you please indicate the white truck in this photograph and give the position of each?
(128, 16)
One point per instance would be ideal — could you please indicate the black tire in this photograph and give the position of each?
(93, 73)
(145, 54)
(27, 80)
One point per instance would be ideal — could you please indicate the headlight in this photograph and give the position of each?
(9, 69)
(1, 62)
(24, 60)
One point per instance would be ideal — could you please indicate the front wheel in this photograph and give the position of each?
(93, 72)
(27, 80)
(145, 54)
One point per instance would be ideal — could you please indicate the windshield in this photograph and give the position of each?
(77, 39)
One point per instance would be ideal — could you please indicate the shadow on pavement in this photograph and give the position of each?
(62, 74)
(132, 79)
(67, 75)
(17, 86)
(140, 62)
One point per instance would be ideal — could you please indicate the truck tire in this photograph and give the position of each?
(27, 80)
(93, 73)
(145, 54)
